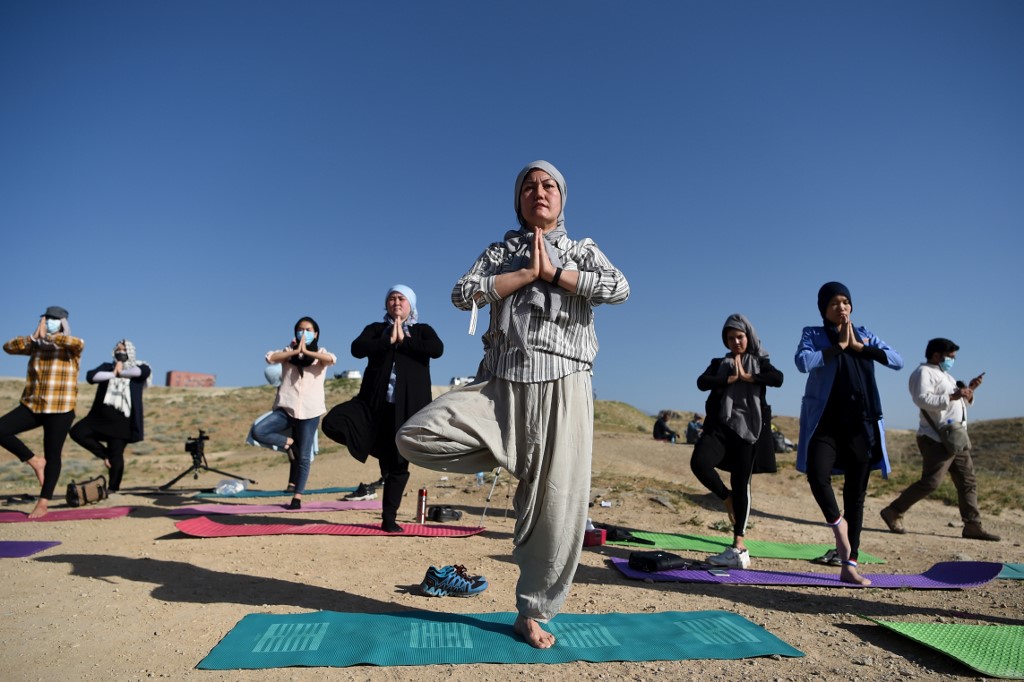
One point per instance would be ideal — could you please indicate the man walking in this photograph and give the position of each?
(942, 439)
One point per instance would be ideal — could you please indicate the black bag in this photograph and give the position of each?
(650, 562)
(86, 492)
(443, 513)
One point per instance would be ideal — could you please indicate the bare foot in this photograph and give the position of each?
(849, 574)
(38, 465)
(42, 506)
(533, 633)
(107, 462)
(727, 502)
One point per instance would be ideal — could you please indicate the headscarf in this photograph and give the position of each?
(514, 320)
(741, 401)
(827, 291)
(305, 360)
(118, 393)
(410, 296)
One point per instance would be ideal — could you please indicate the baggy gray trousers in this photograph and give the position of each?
(543, 433)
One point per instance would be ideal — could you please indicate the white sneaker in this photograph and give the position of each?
(731, 558)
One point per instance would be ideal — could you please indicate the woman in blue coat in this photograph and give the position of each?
(841, 427)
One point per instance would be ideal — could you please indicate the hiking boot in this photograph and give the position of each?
(893, 519)
(731, 558)
(974, 531)
(363, 492)
(452, 581)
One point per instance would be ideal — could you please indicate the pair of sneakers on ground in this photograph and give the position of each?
(452, 581)
(365, 491)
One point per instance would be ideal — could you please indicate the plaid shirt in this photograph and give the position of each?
(51, 384)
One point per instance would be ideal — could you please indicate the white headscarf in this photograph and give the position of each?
(119, 395)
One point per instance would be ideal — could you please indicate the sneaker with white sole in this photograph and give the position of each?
(731, 558)
(363, 492)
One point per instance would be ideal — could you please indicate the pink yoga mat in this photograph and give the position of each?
(946, 575)
(202, 527)
(337, 505)
(81, 514)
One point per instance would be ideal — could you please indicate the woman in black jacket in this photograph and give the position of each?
(115, 418)
(737, 432)
(396, 385)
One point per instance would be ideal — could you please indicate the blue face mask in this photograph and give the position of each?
(52, 326)
(304, 333)
(946, 364)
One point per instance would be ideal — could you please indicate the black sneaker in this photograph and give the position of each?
(363, 492)
(452, 581)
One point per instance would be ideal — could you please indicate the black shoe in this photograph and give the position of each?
(295, 504)
(391, 527)
(363, 492)
(442, 514)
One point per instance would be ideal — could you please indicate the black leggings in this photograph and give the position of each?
(711, 450)
(851, 453)
(89, 438)
(55, 432)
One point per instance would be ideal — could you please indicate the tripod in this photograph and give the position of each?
(195, 447)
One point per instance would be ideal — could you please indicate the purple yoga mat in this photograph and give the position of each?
(947, 575)
(13, 549)
(80, 514)
(210, 509)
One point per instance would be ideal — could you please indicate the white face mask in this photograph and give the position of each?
(52, 326)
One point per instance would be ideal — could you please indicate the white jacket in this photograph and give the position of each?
(930, 388)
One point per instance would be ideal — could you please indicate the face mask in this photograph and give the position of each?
(52, 326)
(304, 333)
(121, 356)
(946, 364)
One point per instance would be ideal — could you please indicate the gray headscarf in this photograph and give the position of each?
(741, 401)
(514, 320)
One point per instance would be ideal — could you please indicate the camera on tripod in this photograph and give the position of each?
(195, 445)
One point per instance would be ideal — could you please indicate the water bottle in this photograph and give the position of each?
(479, 479)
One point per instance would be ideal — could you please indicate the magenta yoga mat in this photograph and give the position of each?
(80, 514)
(947, 575)
(202, 527)
(211, 509)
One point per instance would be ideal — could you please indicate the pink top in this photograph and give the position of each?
(302, 395)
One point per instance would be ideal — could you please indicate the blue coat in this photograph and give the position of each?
(821, 375)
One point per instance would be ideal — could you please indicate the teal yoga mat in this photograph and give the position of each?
(332, 639)
(993, 650)
(275, 493)
(758, 548)
(1012, 572)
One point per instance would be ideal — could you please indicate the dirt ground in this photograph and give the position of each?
(132, 598)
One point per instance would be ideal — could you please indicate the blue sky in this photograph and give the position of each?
(197, 175)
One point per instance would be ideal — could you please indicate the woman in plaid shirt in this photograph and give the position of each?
(51, 389)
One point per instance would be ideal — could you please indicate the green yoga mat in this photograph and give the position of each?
(993, 650)
(757, 548)
(275, 493)
(1012, 572)
(331, 639)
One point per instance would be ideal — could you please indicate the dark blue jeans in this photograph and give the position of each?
(272, 431)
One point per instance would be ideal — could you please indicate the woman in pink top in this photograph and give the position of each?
(299, 402)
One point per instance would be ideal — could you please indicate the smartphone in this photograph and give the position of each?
(721, 572)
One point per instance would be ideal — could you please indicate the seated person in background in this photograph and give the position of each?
(695, 428)
(661, 430)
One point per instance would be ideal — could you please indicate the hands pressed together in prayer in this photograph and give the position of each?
(740, 373)
(847, 339)
(397, 332)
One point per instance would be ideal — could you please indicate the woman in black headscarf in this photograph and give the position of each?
(737, 434)
(841, 427)
(116, 417)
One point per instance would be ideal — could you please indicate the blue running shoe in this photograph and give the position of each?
(452, 581)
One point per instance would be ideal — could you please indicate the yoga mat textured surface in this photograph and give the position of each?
(993, 650)
(338, 505)
(757, 548)
(13, 549)
(948, 575)
(1012, 572)
(80, 514)
(276, 493)
(328, 638)
(202, 527)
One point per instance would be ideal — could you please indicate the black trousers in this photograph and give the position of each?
(850, 452)
(55, 432)
(92, 440)
(722, 445)
(340, 423)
